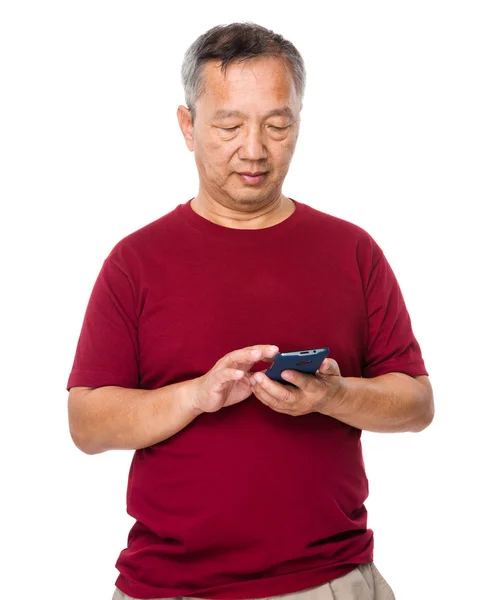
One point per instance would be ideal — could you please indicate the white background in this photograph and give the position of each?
(400, 134)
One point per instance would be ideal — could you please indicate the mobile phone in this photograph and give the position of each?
(305, 361)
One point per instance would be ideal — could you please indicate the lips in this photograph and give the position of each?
(252, 178)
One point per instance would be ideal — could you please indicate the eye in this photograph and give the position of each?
(274, 128)
(229, 128)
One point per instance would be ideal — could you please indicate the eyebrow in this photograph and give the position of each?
(277, 112)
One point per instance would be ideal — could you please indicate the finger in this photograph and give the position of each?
(223, 376)
(270, 351)
(265, 397)
(247, 357)
(262, 394)
(268, 360)
(329, 367)
(301, 380)
(278, 391)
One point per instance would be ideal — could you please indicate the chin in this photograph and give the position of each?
(251, 197)
(250, 201)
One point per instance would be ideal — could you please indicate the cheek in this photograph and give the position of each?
(217, 153)
(215, 160)
(283, 154)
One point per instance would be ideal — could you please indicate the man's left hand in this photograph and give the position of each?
(314, 393)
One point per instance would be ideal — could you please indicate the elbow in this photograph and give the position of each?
(424, 413)
(84, 442)
(423, 420)
(85, 446)
(81, 428)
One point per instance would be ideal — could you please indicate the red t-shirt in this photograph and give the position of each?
(245, 502)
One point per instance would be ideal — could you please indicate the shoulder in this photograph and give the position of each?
(147, 240)
(343, 233)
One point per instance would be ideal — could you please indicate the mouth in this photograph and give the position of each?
(253, 178)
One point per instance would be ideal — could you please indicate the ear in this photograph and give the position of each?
(186, 125)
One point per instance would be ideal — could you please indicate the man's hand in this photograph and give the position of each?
(314, 393)
(228, 381)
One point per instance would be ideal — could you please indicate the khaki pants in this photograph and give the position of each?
(364, 583)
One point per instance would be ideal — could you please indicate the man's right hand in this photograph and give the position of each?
(227, 382)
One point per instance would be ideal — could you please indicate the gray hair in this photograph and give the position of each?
(236, 43)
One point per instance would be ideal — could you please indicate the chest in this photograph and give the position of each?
(197, 308)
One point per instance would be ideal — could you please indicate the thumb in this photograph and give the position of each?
(225, 376)
(329, 367)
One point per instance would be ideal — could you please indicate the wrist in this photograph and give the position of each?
(337, 398)
(192, 391)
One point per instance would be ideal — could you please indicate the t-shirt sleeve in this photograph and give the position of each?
(107, 349)
(390, 345)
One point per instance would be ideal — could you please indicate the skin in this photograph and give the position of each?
(258, 134)
(394, 402)
(117, 418)
(247, 120)
(261, 137)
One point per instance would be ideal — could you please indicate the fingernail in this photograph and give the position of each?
(252, 381)
(259, 377)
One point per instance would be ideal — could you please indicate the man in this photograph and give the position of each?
(243, 487)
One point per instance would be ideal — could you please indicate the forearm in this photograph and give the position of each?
(119, 418)
(389, 403)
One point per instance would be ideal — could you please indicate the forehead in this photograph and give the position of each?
(263, 82)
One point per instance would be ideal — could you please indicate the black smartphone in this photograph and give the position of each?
(306, 361)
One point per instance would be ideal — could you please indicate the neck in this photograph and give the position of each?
(243, 216)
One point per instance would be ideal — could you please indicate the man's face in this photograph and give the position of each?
(245, 131)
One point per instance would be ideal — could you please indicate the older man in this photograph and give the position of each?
(243, 487)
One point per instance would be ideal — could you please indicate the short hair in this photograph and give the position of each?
(234, 43)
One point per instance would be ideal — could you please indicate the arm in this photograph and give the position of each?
(106, 409)
(391, 402)
(112, 417)
(388, 403)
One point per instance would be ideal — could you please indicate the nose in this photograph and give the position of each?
(252, 145)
